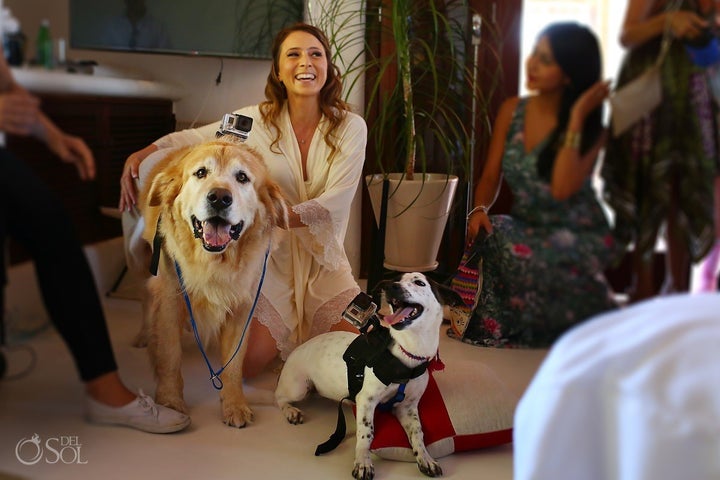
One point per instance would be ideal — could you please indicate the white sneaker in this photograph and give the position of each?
(142, 413)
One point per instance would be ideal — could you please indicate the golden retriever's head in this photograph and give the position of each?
(218, 190)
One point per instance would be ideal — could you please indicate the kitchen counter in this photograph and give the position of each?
(104, 82)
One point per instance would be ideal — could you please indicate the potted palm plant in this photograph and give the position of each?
(420, 89)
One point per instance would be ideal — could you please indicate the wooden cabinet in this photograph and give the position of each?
(113, 128)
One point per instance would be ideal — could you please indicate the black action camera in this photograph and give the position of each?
(360, 310)
(234, 124)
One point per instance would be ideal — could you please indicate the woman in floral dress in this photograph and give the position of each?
(541, 267)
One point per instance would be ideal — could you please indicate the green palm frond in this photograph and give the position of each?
(420, 88)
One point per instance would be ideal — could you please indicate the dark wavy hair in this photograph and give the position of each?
(577, 52)
(332, 106)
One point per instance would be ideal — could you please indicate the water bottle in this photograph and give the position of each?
(44, 45)
(13, 39)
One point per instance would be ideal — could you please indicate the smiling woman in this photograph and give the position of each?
(314, 148)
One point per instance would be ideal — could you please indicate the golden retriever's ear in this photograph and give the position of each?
(276, 205)
(163, 185)
(165, 178)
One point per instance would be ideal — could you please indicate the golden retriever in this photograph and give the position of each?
(213, 206)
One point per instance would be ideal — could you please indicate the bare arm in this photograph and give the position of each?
(20, 115)
(572, 168)
(130, 173)
(69, 148)
(641, 25)
(19, 110)
(488, 187)
(128, 188)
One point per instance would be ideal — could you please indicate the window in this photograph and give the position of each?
(596, 14)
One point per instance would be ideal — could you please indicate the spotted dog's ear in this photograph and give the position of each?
(445, 294)
(379, 287)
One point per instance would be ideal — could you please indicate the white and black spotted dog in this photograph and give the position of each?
(384, 366)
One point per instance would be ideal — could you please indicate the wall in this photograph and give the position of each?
(604, 17)
(243, 81)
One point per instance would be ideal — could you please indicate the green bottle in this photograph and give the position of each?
(44, 45)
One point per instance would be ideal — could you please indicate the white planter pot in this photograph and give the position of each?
(416, 217)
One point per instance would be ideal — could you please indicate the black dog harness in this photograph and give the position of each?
(371, 349)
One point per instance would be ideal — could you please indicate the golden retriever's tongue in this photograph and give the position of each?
(398, 316)
(216, 235)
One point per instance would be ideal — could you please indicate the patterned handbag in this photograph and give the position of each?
(465, 280)
(643, 94)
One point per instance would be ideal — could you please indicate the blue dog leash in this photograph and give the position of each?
(215, 376)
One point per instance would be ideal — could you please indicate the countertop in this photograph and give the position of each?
(104, 81)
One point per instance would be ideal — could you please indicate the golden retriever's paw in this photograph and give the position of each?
(176, 403)
(237, 415)
(294, 415)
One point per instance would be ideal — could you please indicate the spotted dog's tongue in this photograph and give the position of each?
(398, 316)
(216, 234)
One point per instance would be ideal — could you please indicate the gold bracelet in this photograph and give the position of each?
(572, 140)
(479, 208)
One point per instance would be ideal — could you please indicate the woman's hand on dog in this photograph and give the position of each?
(128, 187)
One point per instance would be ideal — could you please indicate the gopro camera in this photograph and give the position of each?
(235, 124)
(360, 310)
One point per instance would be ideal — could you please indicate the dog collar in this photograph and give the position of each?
(412, 356)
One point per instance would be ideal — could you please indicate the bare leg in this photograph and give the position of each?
(712, 260)
(709, 270)
(344, 326)
(716, 207)
(108, 389)
(261, 349)
(643, 285)
(677, 271)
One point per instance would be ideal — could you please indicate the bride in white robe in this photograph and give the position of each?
(309, 280)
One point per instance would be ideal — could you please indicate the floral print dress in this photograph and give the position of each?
(541, 269)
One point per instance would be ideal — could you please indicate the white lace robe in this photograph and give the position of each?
(309, 281)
